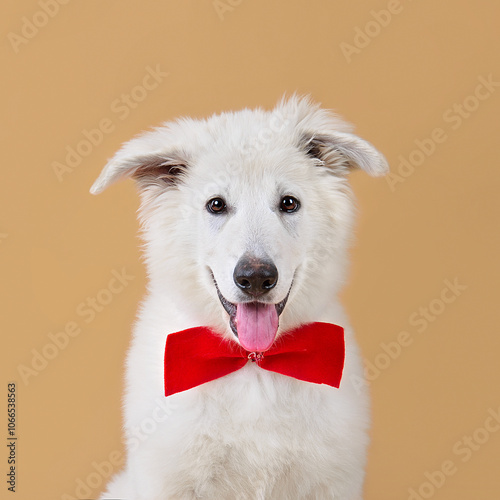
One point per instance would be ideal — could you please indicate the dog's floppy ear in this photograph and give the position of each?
(161, 166)
(342, 151)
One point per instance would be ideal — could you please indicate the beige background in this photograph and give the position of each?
(59, 245)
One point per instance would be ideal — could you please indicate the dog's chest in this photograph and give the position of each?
(256, 433)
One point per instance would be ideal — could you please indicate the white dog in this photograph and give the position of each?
(246, 221)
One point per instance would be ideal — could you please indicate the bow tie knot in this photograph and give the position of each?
(256, 357)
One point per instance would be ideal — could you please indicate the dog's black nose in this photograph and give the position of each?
(255, 276)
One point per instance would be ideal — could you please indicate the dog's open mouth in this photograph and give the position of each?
(255, 324)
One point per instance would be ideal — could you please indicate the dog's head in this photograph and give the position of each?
(246, 216)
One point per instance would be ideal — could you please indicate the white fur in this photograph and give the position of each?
(252, 434)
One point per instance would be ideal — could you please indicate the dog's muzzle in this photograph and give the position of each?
(254, 323)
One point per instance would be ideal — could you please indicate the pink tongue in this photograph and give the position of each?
(257, 325)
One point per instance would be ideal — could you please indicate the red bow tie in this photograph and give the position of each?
(312, 352)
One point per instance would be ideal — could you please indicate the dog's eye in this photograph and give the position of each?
(289, 204)
(216, 206)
